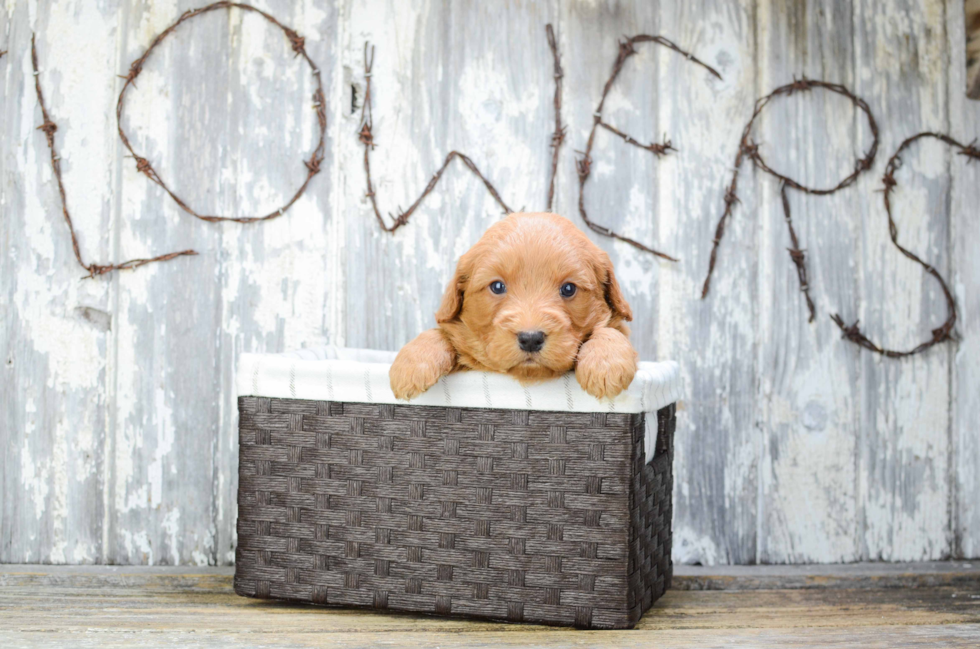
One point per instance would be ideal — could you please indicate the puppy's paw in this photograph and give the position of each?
(420, 364)
(410, 379)
(606, 364)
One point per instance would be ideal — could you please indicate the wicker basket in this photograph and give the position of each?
(519, 515)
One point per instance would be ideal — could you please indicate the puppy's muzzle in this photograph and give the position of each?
(530, 341)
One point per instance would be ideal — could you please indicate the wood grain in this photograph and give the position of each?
(808, 390)
(132, 606)
(117, 410)
(964, 479)
(475, 77)
(55, 331)
(718, 444)
(158, 446)
(904, 426)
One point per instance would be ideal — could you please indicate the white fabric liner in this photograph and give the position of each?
(333, 373)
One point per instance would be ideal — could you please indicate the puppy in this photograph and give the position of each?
(533, 299)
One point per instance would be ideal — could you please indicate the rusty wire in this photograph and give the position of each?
(797, 254)
(366, 136)
(319, 104)
(144, 166)
(49, 128)
(750, 149)
(943, 332)
(584, 164)
(747, 148)
(558, 137)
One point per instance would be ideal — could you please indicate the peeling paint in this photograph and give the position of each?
(792, 446)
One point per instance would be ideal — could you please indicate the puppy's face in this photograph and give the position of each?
(527, 295)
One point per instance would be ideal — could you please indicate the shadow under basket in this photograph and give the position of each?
(494, 513)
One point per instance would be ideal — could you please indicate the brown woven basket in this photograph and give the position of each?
(512, 515)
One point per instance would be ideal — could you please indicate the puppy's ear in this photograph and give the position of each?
(452, 299)
(613, 294)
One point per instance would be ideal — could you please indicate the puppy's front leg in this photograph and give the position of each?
(421, 363)
(606, 363)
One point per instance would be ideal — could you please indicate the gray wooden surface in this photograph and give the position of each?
(117, 408)
(893, 606)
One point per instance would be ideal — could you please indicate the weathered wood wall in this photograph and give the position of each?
(117, 409)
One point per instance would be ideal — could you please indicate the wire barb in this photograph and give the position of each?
(366, 137)
(297, 43)
(144, 166)
(558, 137)
(748, 148)
(584, 163)
(797, 254)
(50, 128)
(943, 332)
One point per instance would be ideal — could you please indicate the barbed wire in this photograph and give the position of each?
(49, 128)
(748, 148)
(584, 164)
(943, 332)
(145, 167)
(366, 136)
(558, 137)
(796, 253)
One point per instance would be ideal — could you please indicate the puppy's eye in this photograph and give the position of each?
(498, 287)
(567, 289)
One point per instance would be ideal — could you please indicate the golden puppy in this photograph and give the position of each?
(533, 298)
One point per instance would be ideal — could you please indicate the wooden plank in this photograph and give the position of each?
(132, 606)
(54, 329)
(847, 575)
(931, 574)
(964, 124)
(279, 281)
(808, 379)
(951, 636)
(884, 638)
(717, 440)
(812, 608)
(905, 419)
(475, 77)
(163, 355)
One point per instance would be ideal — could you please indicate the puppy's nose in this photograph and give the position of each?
(531, 341)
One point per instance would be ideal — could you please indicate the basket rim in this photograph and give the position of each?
(337, 374)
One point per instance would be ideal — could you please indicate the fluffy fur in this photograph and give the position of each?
(534, 255)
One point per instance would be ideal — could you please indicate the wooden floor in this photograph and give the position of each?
(864, 605)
